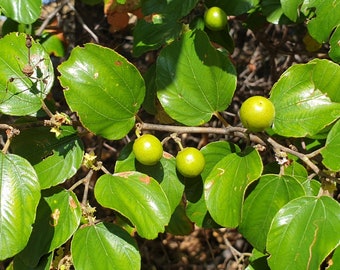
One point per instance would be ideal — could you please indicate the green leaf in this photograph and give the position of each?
(335, 259)
(330, 152)
(312, 187)
(54, 159)
(103, 88)
(22, 11)
(151, 35)
(296, 170)
(104, 246)
(138, 197)
(321, 26)
(233, 7)
(194, 79)
(272, 9)
(304, 98)
(222, 38)
(271, 193)
(258, 261)
(164, 172)
(19, 94)
(53, 45)
(303, 233)
(334, 51)
(44, 263)
(225, 186)
(58, 217)
(291, 8)
(149, 103)
(179, 223)
(20, 194)
(196, 207)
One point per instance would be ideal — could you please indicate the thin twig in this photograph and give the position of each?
(50, 17)
(82, 181)
(83, 24)
(236, 131)
(10, 132)
(304, 158)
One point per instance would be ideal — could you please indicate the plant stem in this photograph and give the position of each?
(220, 117)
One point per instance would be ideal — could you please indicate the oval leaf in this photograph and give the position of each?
(303, 233)
(20, 194)
(44, 263)
(20, 94)
(330, 152)
(104, 246)
(334, 52)
(225, 186)
(324, 22)
(196, 208)
(54, 159)
(270, 194)
(194, 79)
(138, 197)
(103, 88)
(22, 11)
(164, 172)
(58, 217)
(303, 99)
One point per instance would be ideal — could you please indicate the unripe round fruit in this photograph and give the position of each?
(215, 19)
(190, 162)
(257, 113)
(148, 149)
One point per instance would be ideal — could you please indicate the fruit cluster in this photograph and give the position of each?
(148, 151)
(257, 114)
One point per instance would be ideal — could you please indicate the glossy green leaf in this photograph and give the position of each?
(149, 103)
(272, 9)
(20, 194)
(103, 88)
(222, 38)
(53, 45)
(196, 207)
(194, 80)
(225, 186)
(326, 77)
(22, 11)
(54, 159)
(104, 246)
(44, 263)
(138, 197)
(303, 233)
(19, 94)
(312, 187)
(330, 152)
(335, 260)
(291, 8)
(58, 217)
(297, 170)
(306, 98)
(324, 22)
(164, 172)
(151, 35)
(271, 193)
(258, 261)
(334, 51)
(233, 7)
(179, 223)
